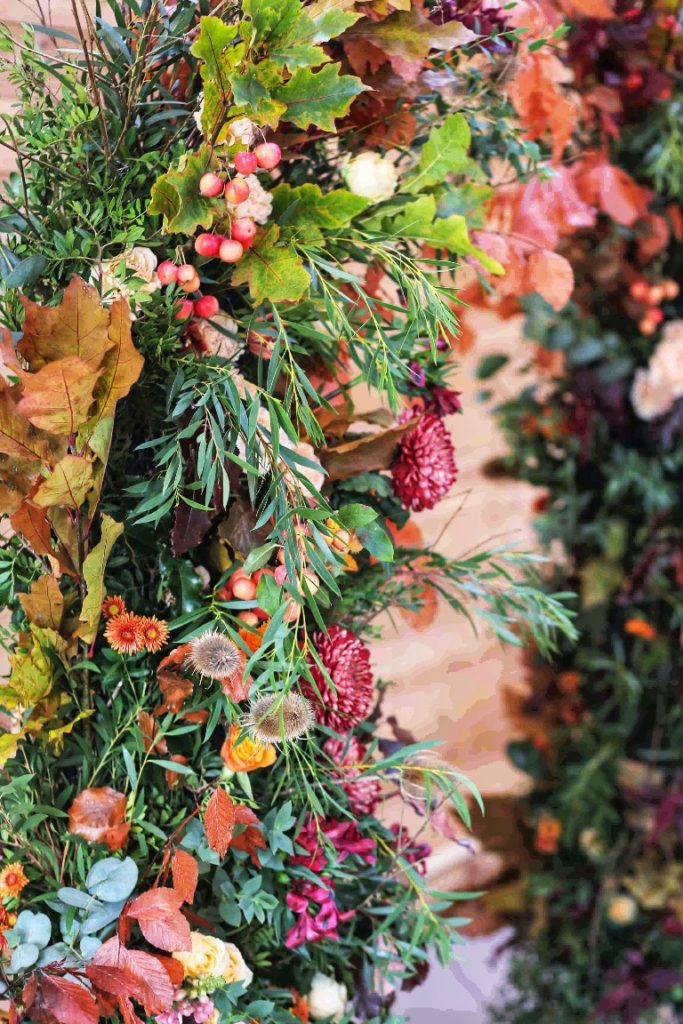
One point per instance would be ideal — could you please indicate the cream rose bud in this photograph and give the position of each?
(622, 910)
(327, 998)
(139, 261)
(650, 395)
(371, 176)
(210, 957)
(242, 131)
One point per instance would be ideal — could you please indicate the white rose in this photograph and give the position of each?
(327, 998)
(140, 261)
(666, 363)
(242, 131)
(258, 205)
(371, 176)
(210, 339)
(650, 396)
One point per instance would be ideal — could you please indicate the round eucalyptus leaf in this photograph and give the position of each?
(112, 880)
(23, 957)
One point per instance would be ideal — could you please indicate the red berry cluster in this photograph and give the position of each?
(187, 279)
(651, 296)
(231, 248)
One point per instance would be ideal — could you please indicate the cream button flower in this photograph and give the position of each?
(327, 998)
(210, 957)
(371, 176)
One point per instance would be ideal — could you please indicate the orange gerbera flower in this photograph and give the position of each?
(113, 606)
(12, 880)
(154, 633)
(641, 628)
(124, 633)
(253, 638)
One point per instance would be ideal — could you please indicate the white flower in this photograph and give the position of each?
(139, 262)
(242, 131)
(371, 176)
(258, 205)
(199, 112)
(656, 389)
(327, 998)
(210, 339)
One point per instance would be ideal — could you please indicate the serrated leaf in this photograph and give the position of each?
(318, 97)
(273, 270)
(444, 152)
(176, 196)
(303, 212)
(419, 220)
(219, 821)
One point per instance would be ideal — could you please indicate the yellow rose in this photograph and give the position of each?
(210, 957)
(246, 754)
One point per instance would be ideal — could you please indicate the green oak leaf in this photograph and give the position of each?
(303, 212)
(287, 32)
(332, 17)
(318, 97)
(444, 152)
(220, 56)
(252, 94)
(272, 270)
(176, 195)
(418, 220)
(410, 36)
(210, 45)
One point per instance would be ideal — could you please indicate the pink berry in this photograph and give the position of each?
(236, 191)
(167, 272)
(188, 278)
(248, 618)
(244, 589)
(268, 155)
(210, 184)
(184, 309)
(243, 230)
(245, 162)
(207, 245)
(231, 251)
(206, 307)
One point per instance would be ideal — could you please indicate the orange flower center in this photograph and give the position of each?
(11, 878)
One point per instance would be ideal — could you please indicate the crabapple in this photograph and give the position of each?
(647, 326)
(167, 272)
(245, 162)
(248, 618)
(268, 155)
(188, 278)
(236, 191)
(210, 185)
(655, 294)
(243, 230)
(230, 251)
(184, 309)
(671, 289)
(207, 245)
(244, 589)
(206, 307)
(639, 290)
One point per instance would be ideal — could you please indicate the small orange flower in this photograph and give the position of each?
(154, 633)
(12, 880)
(641, 628)
(113, 606)
(569, 681)
(300, 1007)
(548, 832)
(253, 638)
(247, 754)
(124, 633)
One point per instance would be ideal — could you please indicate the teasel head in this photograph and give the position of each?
(278, 718)
(214, 654)
(427, 778)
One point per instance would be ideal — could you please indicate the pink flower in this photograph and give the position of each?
(361, 789)
(347, 662)
(425, 468)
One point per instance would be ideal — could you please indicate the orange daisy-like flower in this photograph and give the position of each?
(154, 633)
(124, 633)
(12, 880)
(113, 606)
(253, 638)
(640, 628)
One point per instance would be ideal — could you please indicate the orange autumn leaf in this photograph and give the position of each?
(640, 628)
(158, 914)
(219, 821)
(185, 874)
(407, 536)
(98, 816)
(537, 97)
(58, 397)
(174, 778)
(611, 189)
(550, 275)
(588, 8)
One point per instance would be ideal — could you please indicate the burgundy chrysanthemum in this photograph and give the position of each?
(347, 661)
(361, 789)
(425, 469)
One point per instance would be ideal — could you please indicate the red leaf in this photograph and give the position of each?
(158, 914)
(219, 821)
(185, 871)
(128, 1014)
(149, 981)
(68, 1002)
(550, 275)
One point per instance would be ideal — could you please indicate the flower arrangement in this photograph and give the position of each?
(224, 218)
(599, 429)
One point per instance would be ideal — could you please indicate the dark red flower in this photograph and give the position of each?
(443, 401)
(347, 662)
(425, 469)
(363, 790)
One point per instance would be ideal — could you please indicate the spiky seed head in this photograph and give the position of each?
(279, 717)
(214, 654)
(426, 777)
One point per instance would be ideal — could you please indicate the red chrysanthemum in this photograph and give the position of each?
(362, 790)
(113, 606)
(425, 468)
(347, 661)
(124, 633)
(154, 633)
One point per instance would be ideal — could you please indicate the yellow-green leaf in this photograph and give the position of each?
(67, 484)
(44, 604)
(93, 574)
(59, 396)
(273, 270)
(176, 195)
